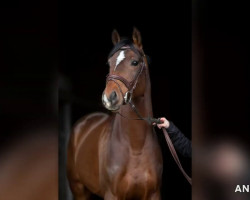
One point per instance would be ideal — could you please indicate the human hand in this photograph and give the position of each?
(165, 123)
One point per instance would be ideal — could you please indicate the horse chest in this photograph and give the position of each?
(138, 177)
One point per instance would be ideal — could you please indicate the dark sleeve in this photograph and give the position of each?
(182, 144)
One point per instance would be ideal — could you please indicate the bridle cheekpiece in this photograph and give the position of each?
(130, 85)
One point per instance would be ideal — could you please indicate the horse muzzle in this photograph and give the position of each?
(111, 101)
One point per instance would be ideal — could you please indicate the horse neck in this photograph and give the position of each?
(135, 132)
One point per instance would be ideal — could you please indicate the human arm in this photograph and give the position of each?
(182, 144)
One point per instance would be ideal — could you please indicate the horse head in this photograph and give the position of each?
(127, 64)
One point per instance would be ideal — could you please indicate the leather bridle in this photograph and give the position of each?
(130, 85)
(127, 99)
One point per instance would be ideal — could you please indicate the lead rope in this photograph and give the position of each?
(150, 121)
(175, 156)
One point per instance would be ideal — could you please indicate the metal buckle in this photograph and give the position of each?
(127, 97)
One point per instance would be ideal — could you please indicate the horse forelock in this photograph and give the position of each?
(124, 43)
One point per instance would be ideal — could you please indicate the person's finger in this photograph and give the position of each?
(163, 119)
(160, 126)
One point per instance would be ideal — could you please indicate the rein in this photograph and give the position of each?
(150, 121)
(127, 99)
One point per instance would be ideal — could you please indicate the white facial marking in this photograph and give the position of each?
(119, 59)
(106, 101)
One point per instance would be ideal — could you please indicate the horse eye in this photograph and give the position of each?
(134, 63)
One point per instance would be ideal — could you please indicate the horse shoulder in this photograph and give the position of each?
(83, 162)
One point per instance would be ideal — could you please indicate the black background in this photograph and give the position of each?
(223, 37)
(29, 58)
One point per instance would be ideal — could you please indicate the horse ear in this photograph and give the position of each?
(115, 37)
(137, 37)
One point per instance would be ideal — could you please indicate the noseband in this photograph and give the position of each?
(130, 85)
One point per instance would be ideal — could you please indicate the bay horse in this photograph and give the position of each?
(113, 156)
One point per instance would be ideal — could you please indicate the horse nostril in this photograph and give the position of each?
(113, 97)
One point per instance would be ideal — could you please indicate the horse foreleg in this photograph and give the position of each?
(80, 192)
(109, 196)
(155, 196)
